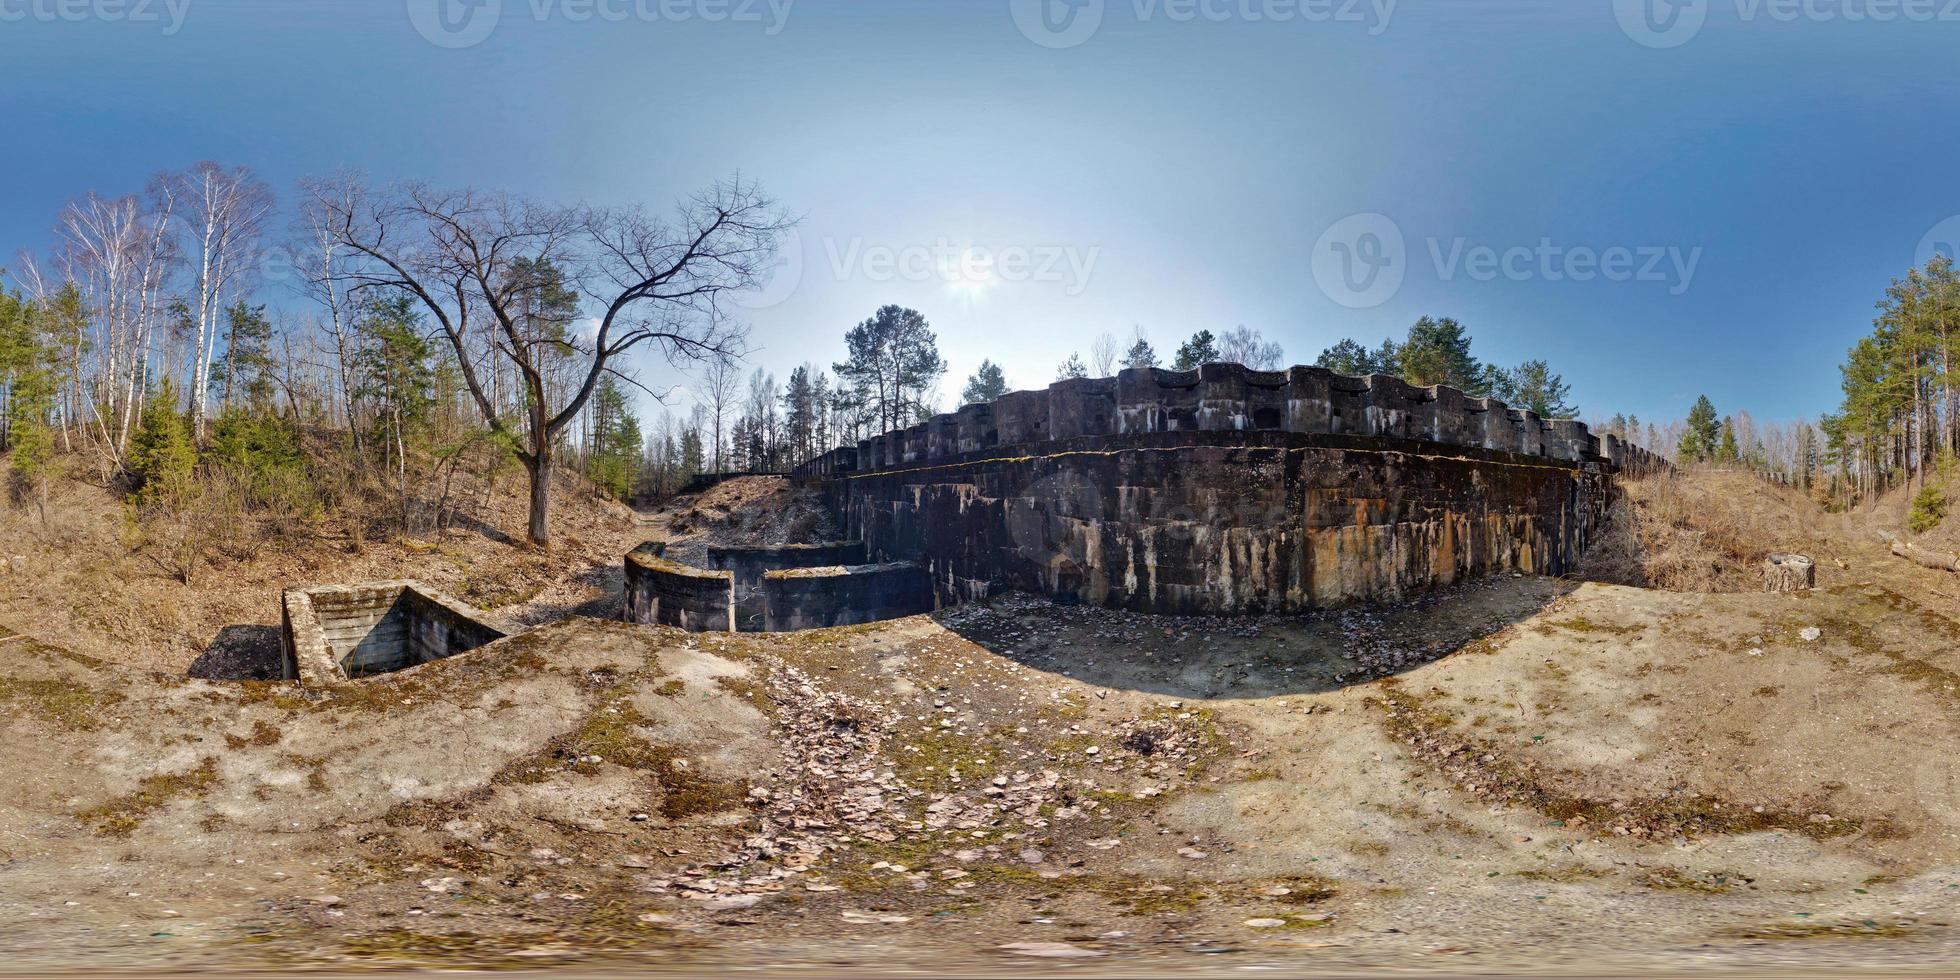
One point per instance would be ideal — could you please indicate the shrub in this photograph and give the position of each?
(1928, 510)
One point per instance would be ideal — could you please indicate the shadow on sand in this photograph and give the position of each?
(1249, 657)
(241, 653)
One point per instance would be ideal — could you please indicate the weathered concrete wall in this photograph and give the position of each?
(1233, 398)
(772, 589)
(749, 565)
(668, 593)
(340, 632)
(1217, 521)
(814, 598)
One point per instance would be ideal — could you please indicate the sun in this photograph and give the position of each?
(969, 274)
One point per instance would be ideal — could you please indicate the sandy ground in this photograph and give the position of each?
(1521, 774)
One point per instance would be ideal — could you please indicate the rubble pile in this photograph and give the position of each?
(842, 789)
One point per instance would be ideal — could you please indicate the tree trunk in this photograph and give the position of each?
(541, 498)
(1789, 573)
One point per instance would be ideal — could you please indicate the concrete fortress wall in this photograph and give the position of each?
(1226, 490)
(1233, 398)
(1215, 522)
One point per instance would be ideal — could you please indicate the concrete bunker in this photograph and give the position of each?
(337, 633)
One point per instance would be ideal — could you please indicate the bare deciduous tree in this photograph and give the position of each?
(723, 378)
(1248, 347)
(1103, 353)
(473, 259)
(118, 252)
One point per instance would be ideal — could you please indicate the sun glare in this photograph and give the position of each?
(968, 274)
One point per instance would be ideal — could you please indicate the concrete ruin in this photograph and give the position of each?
(1226, 490)
(337, 633)
(772, 589)
(1216, 491)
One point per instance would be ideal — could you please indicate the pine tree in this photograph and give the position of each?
(20, 352)
(1438, 353)
(617, 443)
(1533, 386)
(1703, 434)
(893, 361)
(987, 384)
(1347, 357)
(1201, 349)
(1387, 359)
(31, 386)
(245, 374)
(1072, 368)
(162, 454)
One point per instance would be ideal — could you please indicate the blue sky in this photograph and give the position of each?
(1181, 167)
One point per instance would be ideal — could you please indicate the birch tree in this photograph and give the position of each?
(225, 210)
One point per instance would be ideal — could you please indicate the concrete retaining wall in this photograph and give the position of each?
(815, 598)
(1233, 398)
(1228, 521)
(668, 593)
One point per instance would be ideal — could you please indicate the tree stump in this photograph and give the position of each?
(1789, 573)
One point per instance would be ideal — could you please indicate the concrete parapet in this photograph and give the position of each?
(977, 432)
(772, 589)
(1231, 397)
(1082, 407)
(668, 593)
(831, 464)
(915, 444)
(816, 598)
(749, 565)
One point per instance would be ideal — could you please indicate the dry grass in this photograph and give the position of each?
(82, 580)
(1700, 532)
(749, 511)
